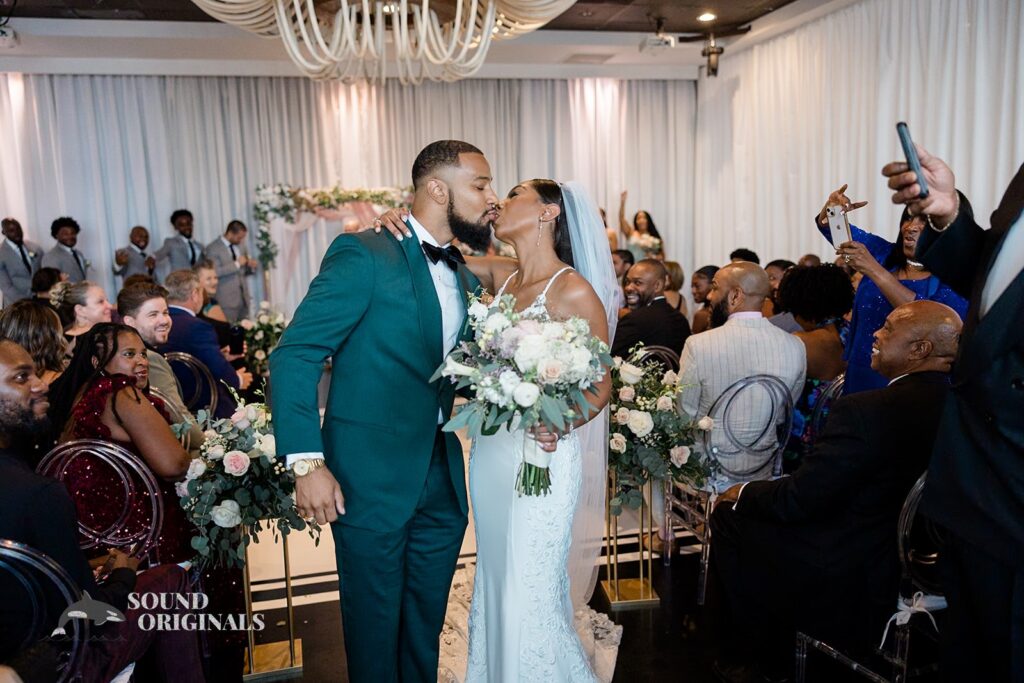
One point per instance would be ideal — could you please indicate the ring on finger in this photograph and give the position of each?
(846, 257)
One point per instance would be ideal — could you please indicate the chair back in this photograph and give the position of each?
(143, 500)
(752, 420)
(176, 414)
(824, 405)
(668, 358)
(195, 381)
(33, 571)
(919, 543)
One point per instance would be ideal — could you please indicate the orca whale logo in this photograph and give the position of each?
(95, 611)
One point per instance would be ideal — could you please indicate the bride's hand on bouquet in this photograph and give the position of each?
(545, 438)
(318, 496)
(393, 221)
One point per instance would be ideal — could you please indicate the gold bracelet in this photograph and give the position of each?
(952, 220)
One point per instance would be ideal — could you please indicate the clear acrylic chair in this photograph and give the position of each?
(33, 572)
(919, 543)
(192, 374)
(824, 405)
(752, 420)
(137, 482)
(176, 415)
(668, 358)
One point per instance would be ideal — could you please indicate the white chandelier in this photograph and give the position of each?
(343, 39)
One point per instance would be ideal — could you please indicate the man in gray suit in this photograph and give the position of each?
(64, 257)
(180, 252)
(19, 261)
(231, 259)
(133, 260)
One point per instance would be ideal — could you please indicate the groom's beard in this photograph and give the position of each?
(477, 236)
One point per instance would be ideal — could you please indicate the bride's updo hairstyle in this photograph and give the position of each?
(550, 192)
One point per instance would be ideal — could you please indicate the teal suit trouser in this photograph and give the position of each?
(394, 584)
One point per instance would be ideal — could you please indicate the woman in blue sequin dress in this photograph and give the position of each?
(891, 278)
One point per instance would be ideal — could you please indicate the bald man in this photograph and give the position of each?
(816, 551)
(741, 343)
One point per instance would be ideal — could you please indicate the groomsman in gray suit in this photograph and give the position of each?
(133, 259)
(19, 261)
(64, 257)
(230, 257)
(181, 252)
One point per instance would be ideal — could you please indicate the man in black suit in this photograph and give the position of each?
(651, 320)
(975, 483)
(816, 551)
(38, 512)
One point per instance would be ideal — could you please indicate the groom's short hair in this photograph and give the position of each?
(437, 155)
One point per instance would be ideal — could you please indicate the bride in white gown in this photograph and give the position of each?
(521, 625)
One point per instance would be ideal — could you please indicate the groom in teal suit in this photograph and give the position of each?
(380, 469)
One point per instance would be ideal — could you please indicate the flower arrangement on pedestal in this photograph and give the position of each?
(261, 336)
(649, 438)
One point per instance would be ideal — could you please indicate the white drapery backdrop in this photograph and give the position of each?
(116, 151)
(791, 119)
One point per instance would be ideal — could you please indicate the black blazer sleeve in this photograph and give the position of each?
(955, 254)
(830, 476)
(627, 334)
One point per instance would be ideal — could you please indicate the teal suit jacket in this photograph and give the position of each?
(373, 309)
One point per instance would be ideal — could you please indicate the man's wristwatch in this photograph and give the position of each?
(301, 468)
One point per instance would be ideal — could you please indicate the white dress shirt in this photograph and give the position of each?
(1008, 265)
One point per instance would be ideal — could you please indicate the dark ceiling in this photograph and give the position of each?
(597, 15)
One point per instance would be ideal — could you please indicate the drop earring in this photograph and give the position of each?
(540, 228)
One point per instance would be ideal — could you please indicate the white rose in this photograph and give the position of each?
(246, 324)
(509, 381)
(496, 323)
(477, 311)
(679, 455)
(209, 435)
(268, 444)
(263, 319)
(228, 514)
(630, 373)
(670, 379)
(215, 452)
(279, 319)
(627, 394)
(526, 394)
(622, 416)
(550, 370)
(617, 362)
(258, 336)
(617, 443)
(531, 349)
(264, 305)
(640, 422)
(259, 354)
(706, 423)
(195, 469)
(664, 403)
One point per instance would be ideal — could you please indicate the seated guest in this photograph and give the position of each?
(35, 327)
(740, 344)
(651, 320)
(133, 260)
(144, 307)
(43, 282)
(622, 261)
(700, 286)
(811, 260)
(181, 251)
(64, 256)
(231, 260)
(209, 281)
(19, 261)
(197, 337)
(80, 306)
(38, 512)
(743, 254)
(817, 298)
(816, 551)
(775, 269)
(674, 283)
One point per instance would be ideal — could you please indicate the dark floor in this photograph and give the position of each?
(658, 644)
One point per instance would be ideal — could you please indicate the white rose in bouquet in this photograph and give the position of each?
(553, 330)
(630, 373)
(617, 362)
(670, 379)
(195, 469)
(617, 443)
(215, 452)
(622, 416)
(227, 514)
(268, 444)
(258, 336)
(240, 420)
(508, 381)
(263, 319)
(531, 349)
(549, 370)
(246, 324)
(665, 403)
(526, 394)
(477, 311)
(627, 394)
(679, 455)
(209, 435)
(279, 319)
(706, 423)
(181, 488)
(640, 422)
(259, 354)
(496, 323)
(236, 463)
(264, 305)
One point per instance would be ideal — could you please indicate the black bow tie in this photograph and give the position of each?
(451, 256)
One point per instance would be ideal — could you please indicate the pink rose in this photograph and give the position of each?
(240, 419)
(627, 394)
(529, 326)
(236, 463)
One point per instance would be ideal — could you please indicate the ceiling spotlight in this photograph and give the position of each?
(707, 16)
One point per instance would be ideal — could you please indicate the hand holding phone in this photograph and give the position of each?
(910, 152)
(838, 225)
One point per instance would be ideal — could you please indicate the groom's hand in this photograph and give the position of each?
(318, 495)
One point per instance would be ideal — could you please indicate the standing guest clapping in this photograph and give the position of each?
(133, 259)
(230, 258)
(180, 251)
(64, 256)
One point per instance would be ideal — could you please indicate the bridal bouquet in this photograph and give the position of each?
(650, 439)
(525, 369)
(649, 243)
(261, 336)
(236, 484)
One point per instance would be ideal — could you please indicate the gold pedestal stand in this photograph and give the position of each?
(636, 593)
(280, 660)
